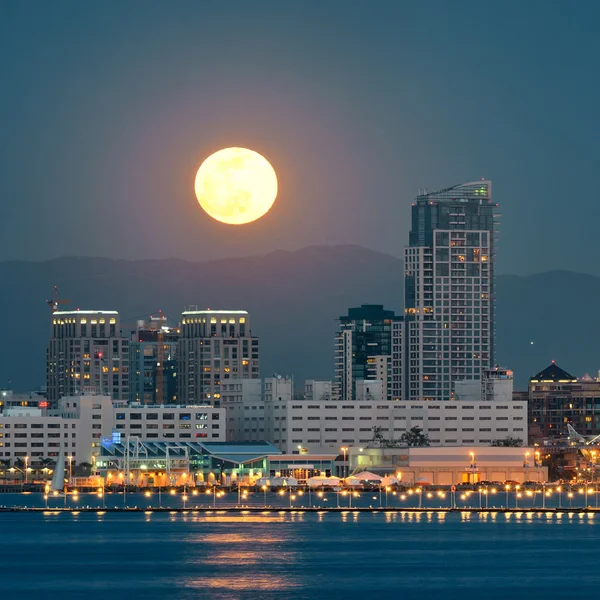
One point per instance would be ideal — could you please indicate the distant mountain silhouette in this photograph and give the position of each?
(294, 299)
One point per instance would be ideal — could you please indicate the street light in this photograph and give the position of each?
(344, 450)
(70, 470)
(26, 465)
(264, 489)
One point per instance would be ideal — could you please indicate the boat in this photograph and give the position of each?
(57, 485)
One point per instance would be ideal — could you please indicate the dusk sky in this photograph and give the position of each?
(108, 109)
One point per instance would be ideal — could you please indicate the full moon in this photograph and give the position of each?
(236, 186)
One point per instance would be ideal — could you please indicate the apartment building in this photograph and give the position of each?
(87, 351)
(214, 346)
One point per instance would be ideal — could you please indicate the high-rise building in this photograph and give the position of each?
(214, 346)
(363, 349)
(152, 362)
(449, 290)
(87, 353)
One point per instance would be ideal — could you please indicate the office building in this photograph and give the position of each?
(214, 347)
(152, 362)
(449, 290)
(87, 353)
(363, 349)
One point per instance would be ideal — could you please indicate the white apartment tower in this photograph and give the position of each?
(87, 353)
(449, 290)
(214, 346)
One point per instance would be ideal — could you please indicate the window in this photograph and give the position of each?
(201, 416)
(168, 416)
(152, 416)
(119, 417)
(135, 416)
(185, 416)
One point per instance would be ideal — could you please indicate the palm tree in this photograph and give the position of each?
(5, 465)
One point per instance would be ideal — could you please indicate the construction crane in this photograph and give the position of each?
(56, 301)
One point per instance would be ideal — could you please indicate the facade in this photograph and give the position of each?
(171, 423)
(558, 399)
(363, 349)
(77, 425)
(449, 290)
(87, 353)
(467, 464)
(495, 385)
(320, 391)
(152, 362)
(214, 346)
(80, 424)
(243, 402)
(305, 426)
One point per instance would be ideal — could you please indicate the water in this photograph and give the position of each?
(297, 555)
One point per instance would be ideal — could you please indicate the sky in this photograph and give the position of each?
(108, 109)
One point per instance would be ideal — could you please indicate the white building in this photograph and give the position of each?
(495, 385)
(87, 351)
(317, 390)
(214, 346)
(465, 464)
(325, 427)
(242, 400)
(171, 423)
(79, 424)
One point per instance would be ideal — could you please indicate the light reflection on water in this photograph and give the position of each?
(530, 554)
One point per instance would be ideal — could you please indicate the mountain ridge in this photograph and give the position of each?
(294, 298)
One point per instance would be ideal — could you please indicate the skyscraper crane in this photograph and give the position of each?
(56, 301)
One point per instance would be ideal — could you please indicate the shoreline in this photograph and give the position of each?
(275, 509)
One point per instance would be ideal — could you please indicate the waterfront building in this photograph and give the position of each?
(363, 349)
(299, 425)
(447, 466)
(214, 346)
(76, 425)
(191, 462)
(87, 352)
(152, 362)
(449, 290)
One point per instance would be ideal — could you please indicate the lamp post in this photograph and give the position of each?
(70, 470)
(26, 466)
(559, 490)
(472, 467)
(264, 489)
(507, 488)
(344, 450)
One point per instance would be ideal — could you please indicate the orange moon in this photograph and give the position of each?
(236, 186)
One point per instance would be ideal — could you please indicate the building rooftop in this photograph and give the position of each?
(215, 312)
(553, 373)
(61, 313)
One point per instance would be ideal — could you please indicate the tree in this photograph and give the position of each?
(508, 442)
(415, 437)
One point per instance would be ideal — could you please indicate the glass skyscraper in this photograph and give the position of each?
(449, 290)
(363, 349)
